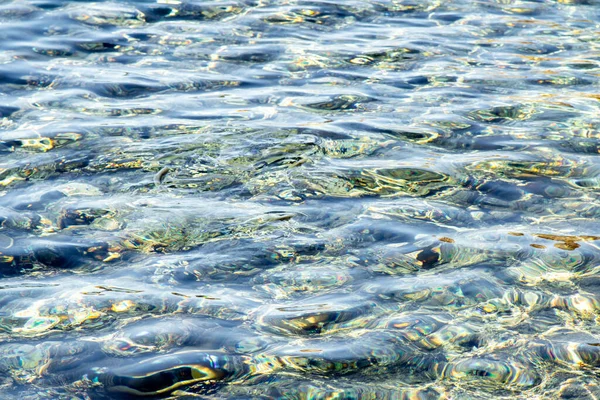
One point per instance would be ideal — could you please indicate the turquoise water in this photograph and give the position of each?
(300, 199)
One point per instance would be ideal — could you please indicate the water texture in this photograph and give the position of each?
(374, 199)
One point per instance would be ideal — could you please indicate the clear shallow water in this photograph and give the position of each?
(299, 200)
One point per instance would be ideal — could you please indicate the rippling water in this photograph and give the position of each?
(382, 199)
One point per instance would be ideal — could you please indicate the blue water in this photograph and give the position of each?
(377, 199)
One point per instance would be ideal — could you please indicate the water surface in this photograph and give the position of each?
(383, 199)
